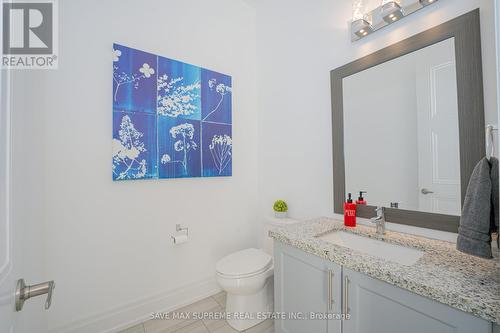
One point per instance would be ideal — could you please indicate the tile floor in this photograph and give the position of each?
(215, 303)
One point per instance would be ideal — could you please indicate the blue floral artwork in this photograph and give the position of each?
(170, 119)
(134, 146)
(179, 89)
(134, 80)
(179, 147)
(216, 97)
(217, 149)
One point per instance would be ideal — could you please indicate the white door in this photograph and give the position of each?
(437, 126)
(19, 255)
(7, 273)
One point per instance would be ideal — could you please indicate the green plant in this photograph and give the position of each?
(280, 206)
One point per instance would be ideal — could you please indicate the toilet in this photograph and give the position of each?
(247, 278)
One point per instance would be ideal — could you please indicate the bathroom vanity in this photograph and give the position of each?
(408, 128)
(437, 289)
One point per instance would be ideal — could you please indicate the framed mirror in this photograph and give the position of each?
(408, 125)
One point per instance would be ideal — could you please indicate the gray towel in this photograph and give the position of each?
(480, 211)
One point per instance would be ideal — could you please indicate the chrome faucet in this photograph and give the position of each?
(379, 220)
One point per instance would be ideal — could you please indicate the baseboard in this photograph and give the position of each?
(127, 315)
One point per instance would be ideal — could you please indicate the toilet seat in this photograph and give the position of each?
(244, 263)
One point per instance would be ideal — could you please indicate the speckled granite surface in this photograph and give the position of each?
(465, 282)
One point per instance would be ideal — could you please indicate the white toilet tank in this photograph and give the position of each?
(270, 223)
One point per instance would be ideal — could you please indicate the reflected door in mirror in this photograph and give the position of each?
(437, 127)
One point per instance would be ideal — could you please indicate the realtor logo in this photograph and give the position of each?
(28, 35)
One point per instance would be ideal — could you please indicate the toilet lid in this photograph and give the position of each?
(244, 262)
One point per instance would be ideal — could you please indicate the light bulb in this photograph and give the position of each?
(391, 11)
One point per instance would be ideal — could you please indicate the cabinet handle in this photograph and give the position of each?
(329, 287)
(330, 290)
(346, 295)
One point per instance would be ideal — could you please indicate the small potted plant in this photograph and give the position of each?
(280, 208)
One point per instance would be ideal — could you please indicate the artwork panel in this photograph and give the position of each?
(216, 97)
(134, 146)
(179, 149)
(217, 150)
(179, 89)
(134, 80)
(170, 119)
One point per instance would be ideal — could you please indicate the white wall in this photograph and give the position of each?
(299, 42)
(108, 243)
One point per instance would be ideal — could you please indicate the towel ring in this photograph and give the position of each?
(490, 146)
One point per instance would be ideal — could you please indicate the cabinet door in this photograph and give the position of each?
(376, 306)
(305, 285)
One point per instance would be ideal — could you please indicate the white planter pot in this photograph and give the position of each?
(280, 215)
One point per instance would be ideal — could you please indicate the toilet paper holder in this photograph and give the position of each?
(180, 228)
(181, 232)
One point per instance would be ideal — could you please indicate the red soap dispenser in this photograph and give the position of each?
(361, 200)
(349, 212)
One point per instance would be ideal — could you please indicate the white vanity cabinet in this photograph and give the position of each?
(376, 306)
(305, 283)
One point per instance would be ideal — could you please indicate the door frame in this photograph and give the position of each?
(5, 172)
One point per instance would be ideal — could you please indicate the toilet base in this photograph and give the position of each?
(251, 309)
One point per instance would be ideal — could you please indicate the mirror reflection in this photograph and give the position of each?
(401, 138)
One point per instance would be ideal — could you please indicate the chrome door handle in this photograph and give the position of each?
(426, 191)
(330, 290)
(346, 295)
(24, 292)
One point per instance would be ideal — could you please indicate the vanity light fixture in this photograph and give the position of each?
(366, 22)
(361, 24)
(361, 27)
(391, 11)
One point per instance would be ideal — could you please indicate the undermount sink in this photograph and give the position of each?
(396, 253)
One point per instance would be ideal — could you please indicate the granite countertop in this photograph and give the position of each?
(462, 281)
